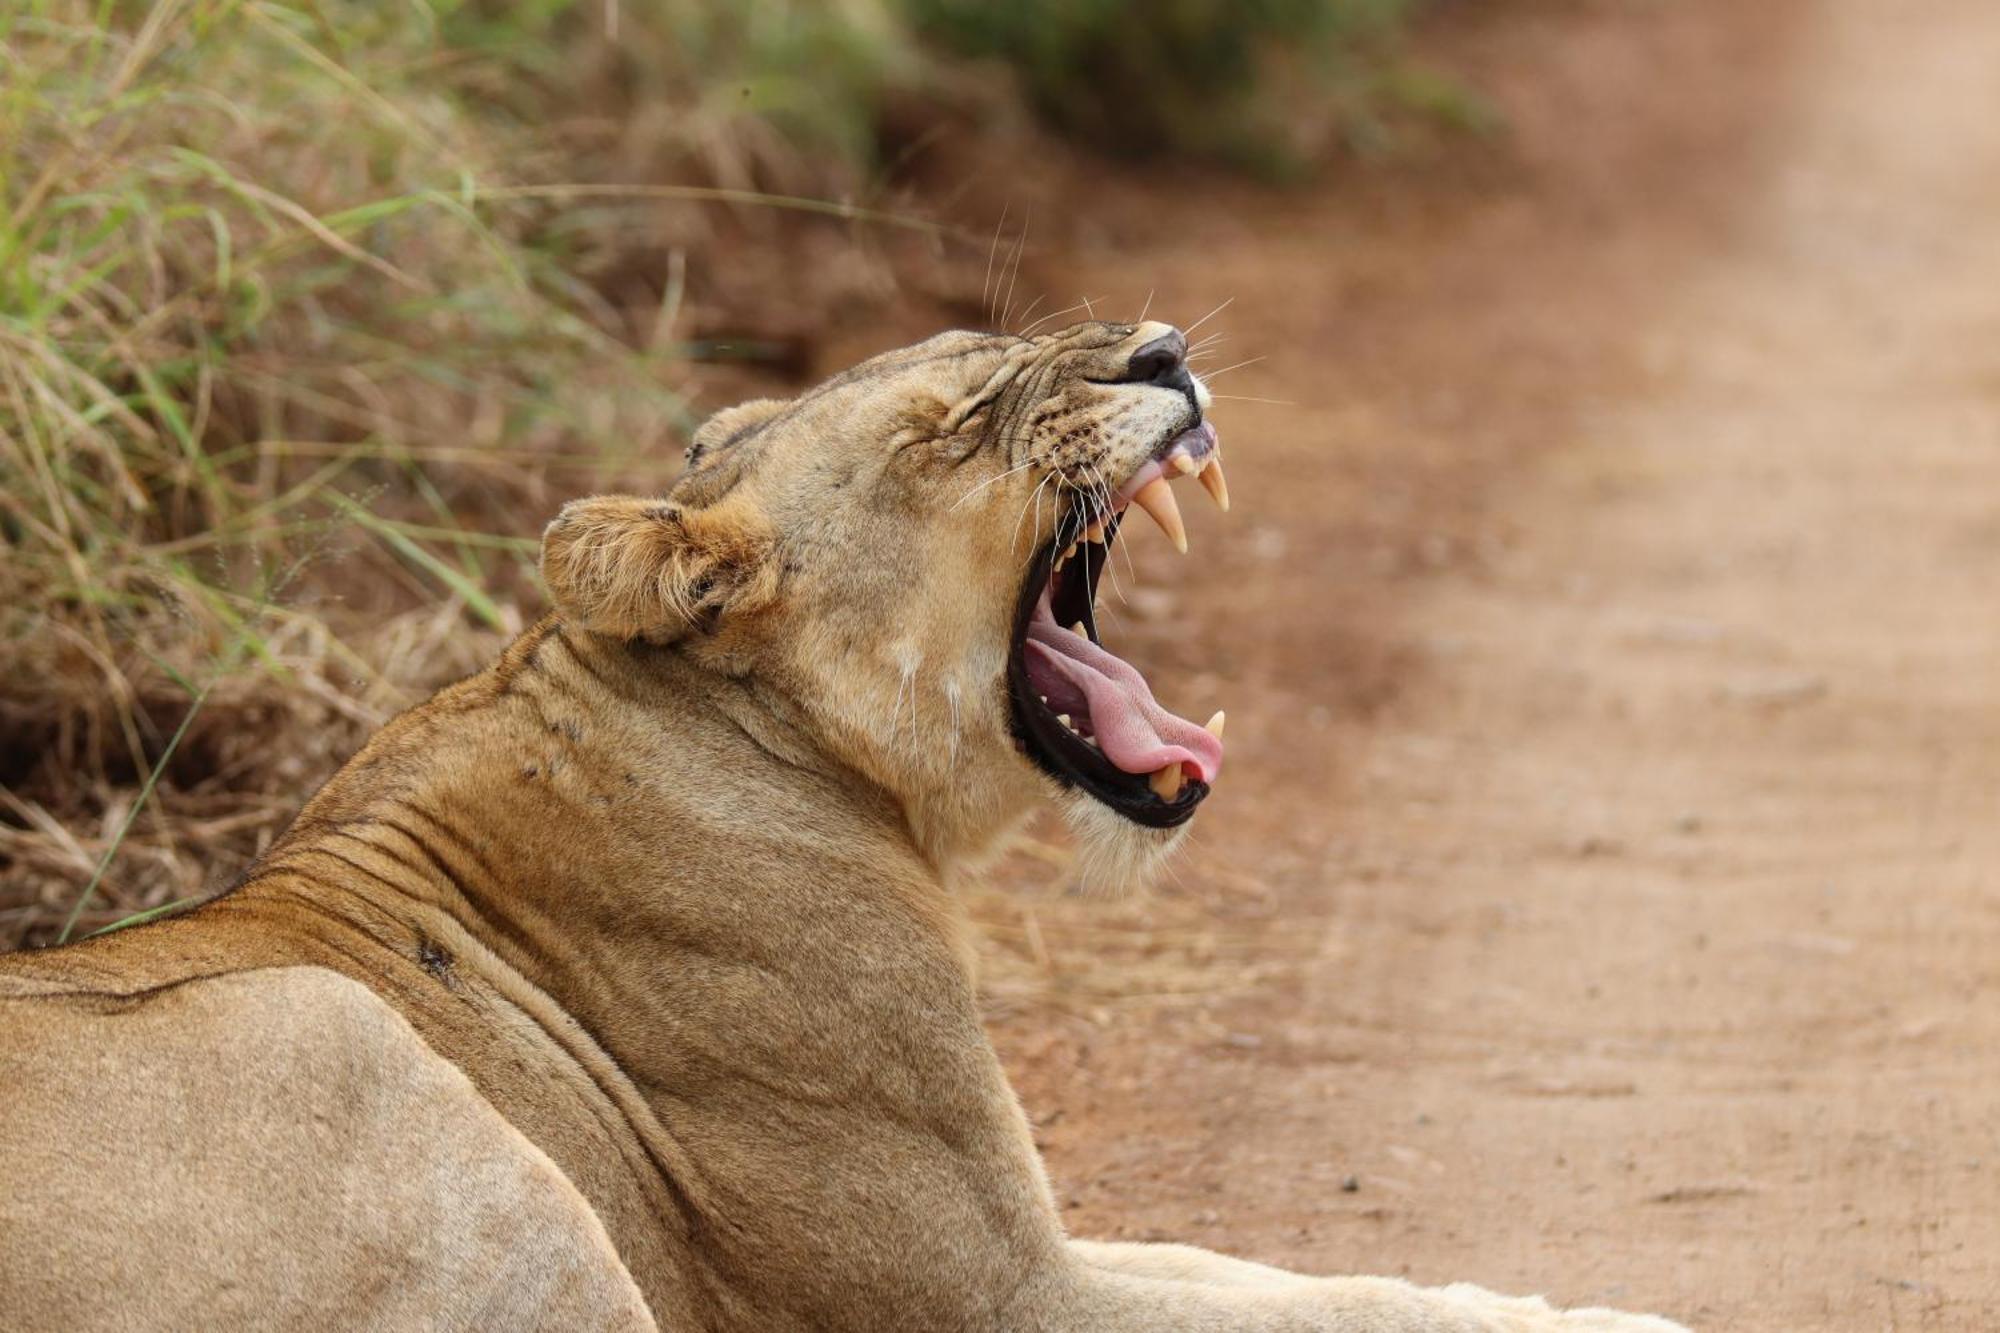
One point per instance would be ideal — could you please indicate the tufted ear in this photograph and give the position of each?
(637, 568)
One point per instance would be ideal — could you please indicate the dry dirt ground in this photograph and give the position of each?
(1603, 897)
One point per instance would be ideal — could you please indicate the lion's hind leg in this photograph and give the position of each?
(275, 1148)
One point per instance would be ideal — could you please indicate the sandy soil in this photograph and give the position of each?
(1601, 898)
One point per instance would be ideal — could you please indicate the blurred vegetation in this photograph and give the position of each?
(310, 310)
(747, 95)
(1268, 84)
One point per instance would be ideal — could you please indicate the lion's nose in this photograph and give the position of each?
(1162, 361)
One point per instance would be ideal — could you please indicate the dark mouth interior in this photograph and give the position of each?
(1059, 751)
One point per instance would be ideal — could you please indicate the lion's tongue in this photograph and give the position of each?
(1079, 678)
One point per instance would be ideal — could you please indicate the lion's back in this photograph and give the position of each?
(272, 1147)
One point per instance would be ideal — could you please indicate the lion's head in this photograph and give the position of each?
(904, 561)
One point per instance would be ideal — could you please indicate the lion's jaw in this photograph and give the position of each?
(899, 552)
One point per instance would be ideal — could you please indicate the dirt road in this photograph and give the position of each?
(1604, 895)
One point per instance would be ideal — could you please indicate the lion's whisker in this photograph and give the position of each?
(1211, 374)
(1053, 314)
(1021, 467)
(1038, 511)
(1020, 245)
(1035, 498)
(1205, 318)
(1110, 565)
(986, 293)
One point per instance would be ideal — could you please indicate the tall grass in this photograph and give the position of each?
(270, 300)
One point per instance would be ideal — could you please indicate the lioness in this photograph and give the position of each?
(623, 984)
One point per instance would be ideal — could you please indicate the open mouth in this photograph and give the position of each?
(1086, 716)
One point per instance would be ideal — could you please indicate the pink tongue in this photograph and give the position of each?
(1135, 733)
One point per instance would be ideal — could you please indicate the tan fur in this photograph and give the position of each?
(631, 966)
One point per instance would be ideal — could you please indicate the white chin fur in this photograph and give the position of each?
(1113, 854)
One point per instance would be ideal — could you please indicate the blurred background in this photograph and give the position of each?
(1601, 897)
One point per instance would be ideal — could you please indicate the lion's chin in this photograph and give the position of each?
(1114, 855)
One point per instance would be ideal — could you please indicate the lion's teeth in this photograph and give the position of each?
(1215, 483)
(1078, 630)
(1064, 719)
(1095, 532)
(1180, 464)
(1157, 499)
(1166, 783)
(1070, 552)
(1214, 725)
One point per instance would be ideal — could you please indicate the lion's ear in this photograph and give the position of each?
(636, 568)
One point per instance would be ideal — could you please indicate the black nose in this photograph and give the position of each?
(1162, 361)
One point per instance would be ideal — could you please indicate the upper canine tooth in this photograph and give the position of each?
(1166, 782)
(1180, 464)
(1214, 483)
(1214, 725)
(1157, 500)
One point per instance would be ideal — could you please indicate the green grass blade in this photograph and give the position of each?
(131, 818)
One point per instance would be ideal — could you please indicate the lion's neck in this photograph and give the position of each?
(750, 937)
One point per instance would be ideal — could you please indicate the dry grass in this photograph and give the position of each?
(1050, 944)
(296, 336)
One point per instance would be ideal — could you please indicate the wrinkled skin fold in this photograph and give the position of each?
(623, 985)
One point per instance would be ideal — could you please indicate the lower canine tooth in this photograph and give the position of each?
(1078, 629)
(1166, 783)
(1214, 725)
(1095, 532)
